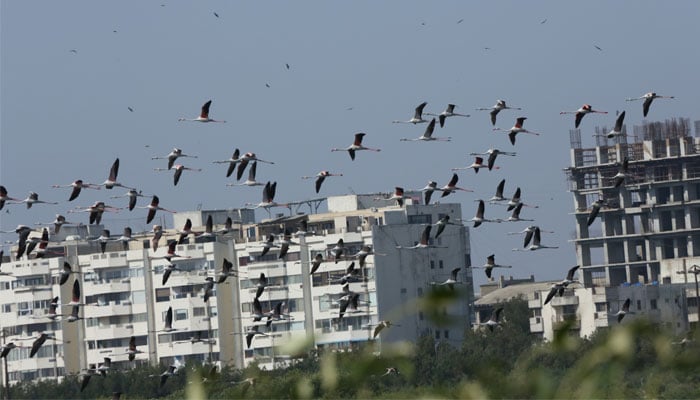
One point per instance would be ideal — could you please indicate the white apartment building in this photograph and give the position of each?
(123, 295)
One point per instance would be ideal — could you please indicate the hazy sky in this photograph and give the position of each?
(354, 66)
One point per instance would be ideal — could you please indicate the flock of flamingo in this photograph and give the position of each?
(36, 246)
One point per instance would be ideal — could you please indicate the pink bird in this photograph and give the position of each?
(4, 197)
(153, 207)
(178, 171)
(648, 98)
(111, 181)
(517, 128)
(451, 187)
(203, 116)
(585, 109)
(477, 164)
(500, 105)
(77, 185)
(356, 146)
(320, 177)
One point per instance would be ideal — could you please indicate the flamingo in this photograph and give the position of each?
(178, 171)
(350, 300)
(251, 177)
(171, 371)
(449, 112)
(132, 194)
(351, 275)
(74, 315)
(167, 271)
(500, 105)
(624, 310)
(125, 238)
(451, 186)
(397, 195)
(111, 181)
(208, 289)
(77, 185)
(203, 116)
(132, 351)
(320, 177)
(261, 285)
(536, 242)
(493, 153)
(96, 210)
(595, 209)
(23, 231)
(186, 231)
(226, 271)
(253, 332)
(477, 164)
(428, 135)
(33, 198)
(356, 146)
(66, 273)
(452, 280)
(6, 348)
(157, 234)
(428, 191)
(235, 158)
(491, 264)
(479, 217)
(442, 224)
(168, 327)
(268, 197)
(529, 231)
(380, 326)
(622, 173)
(171, 251)
(58, 222)
(417, 115)
(42, 241)
(85, 377)
(559, 287)
(247, 157)
(103, 239)
(499, 192)
(515, 216)
(424, 242)
(268, 245)
(648, 98)
(516, 199)
(494, 320)
(197, 338)
(153, 207)
(316, 263)
(363, 253)
(581, 112)
(517, 128)
(36, 345)
(172, 156)
(4, 198)
(285, 242)
(617, 130)
(338, 250)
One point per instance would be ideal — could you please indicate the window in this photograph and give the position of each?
(437, 334)
(6, 308)
(440, 264)
(447, 334)
(652, 304)
(403, 290)
(180, 314)
(162, 294)
(432, 264)
(420, 219)
(198, 312)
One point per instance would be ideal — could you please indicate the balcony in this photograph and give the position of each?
(564, 301)
(109, 310)
(107, 286)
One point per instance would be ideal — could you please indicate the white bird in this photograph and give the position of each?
(428, 191)
(320, 177)
(380, 326)
(4, 198)
(268, 197)
(517, 128)
(235, 158)
(493, 153)
(424, 242)
(96, 210)
(499, 192)
(515, 215)
(617, 130)
(452, 280)
(449, 112)
(244, 160)
(451, 186)
(595, 209)
(179, 168)
(417, 115)
(33, 198)
(529, 231)
(479, 217)
(491, 264)
(536, 245)
(172, 156)
(203, 116)
(559, 287)
(428, 135)
(517, 199)
(356, 146)
(476, 165)
(500, 105)
(398, 195)
(494, 320)
(226, 271)
(111, 181)
(251, 177)
(581, 112)
(77, 186)
(624, 310)
(153, 207)
(622, 173)
(648, 98)
(132, 194)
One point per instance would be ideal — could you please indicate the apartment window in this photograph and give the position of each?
(420, 219)
(6, 308)
(198, 312)
(432, 264)
(437, 334)
(180, 314)
(639, 305)
(440, 264)
(652, 304)
(403, 290)
(447, 334)
(162, 294)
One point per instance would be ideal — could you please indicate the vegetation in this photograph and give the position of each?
(632, 360)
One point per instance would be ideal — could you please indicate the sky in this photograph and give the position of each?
(69, 71)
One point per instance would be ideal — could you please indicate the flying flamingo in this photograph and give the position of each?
(251, 177)
(517, 128)
(33, 198)
(624, 310)
(536, 243)
(515, 216)
(451, 186)
(268, 197)
(77, 185)
(449, 112)
(491, 264)
(157, 234)
(231, 162)
(493, 153)
(442, 224)
(174, 155)
(226, 271)
(500, 105)
(417, 115)
(42, 241)
(617, 130)
(451, 281)
(4, 197)
(397, 195)
(477, 164)
(320, 177)
(58, 222)
(380, 326)
(96, 210)
(479, 217)
(186, 231)
(428, 135)
(247, 157)
(648, 98)
(111, 181)
(581, 112)
(622, 173)
(132, 194)
(595, 209)
(424, 242)
(499, 192)
(516, 199)
(178, 171)
(203, 116)
(493, 321)
(153, 207)
(559, 287)
(356, 146)
(428, 191)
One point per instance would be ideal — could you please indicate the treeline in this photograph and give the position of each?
(632, 360)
